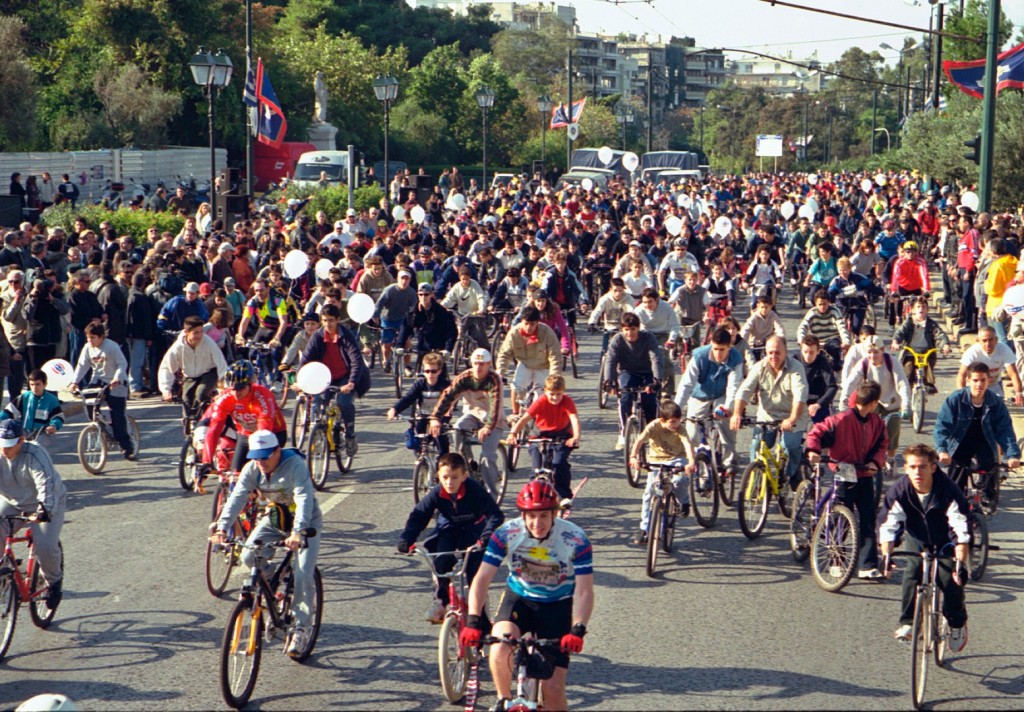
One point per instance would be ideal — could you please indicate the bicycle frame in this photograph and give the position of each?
(527, 689)
(458, 590)
(22, 581)
(920, 361)
(774, 459)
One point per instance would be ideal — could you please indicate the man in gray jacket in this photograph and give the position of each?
(200, 361)
(29, 483)
(281, 476)
(633, 361)
(395, 303)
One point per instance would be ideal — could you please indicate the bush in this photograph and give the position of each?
(332, 200)
(125, 221)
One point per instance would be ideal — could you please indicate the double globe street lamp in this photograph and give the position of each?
(544, 106)
(386, 88)
(213, 73)
(485, 100)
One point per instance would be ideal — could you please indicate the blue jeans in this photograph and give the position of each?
(792, 440)
(649, 401)
(136, 359)
(559, 463)
(680, 482)
(76, 341)
(346, 404)
(1000, 326)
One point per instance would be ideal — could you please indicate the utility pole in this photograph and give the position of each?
(249, 126)
(940, 8)
(807, 155)
(874, 118)
(988, 116)
(568, 113)
(650, 82)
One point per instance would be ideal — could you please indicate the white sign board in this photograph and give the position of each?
(769, 146)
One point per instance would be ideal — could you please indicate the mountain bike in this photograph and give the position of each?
(500, 323)
(466, 443)
(602, 392)
(706, 485)
(300, 420)
(370, 337)
(22, 585)
(464, 345)
(764, 478)
(531, 662)
(453, 661)
(97, 438)
(546, 446)
(823, 528)
(327, 435)
(919, 391)
(930, 631)
(974, 485)
(221, 559)
(263, 614)
(190, 455)
(424, 472)
(664, 508)
(514, 449)
(264, 370)
(635, 424)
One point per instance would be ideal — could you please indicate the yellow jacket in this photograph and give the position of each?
(1000, 274)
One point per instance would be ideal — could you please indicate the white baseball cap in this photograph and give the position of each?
(480, 356)
(262, 444)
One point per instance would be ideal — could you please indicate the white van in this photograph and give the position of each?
(312, 163)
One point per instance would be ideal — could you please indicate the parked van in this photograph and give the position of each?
(312, 163)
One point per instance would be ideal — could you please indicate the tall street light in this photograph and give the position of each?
(485, 100)
(624, 115)
(544, 106)
(386, 88)
(213, 73)
(899, 73)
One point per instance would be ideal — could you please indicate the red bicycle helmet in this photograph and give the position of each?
(537, 495)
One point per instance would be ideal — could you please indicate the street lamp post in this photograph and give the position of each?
(624, 115)
(899, 74)
(213, 73)
(485, 100)
(386, 89)
(544, 106)
(888, 142)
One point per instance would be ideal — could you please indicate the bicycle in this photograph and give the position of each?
(546, 471)
(664, 508)
(18, 585)
(824, 529)
(532, 662)
(300, 420)
(688, 343)
(264, 371)
(718, 309)
(574, 347)
(97, 437)
(513, 449)
(764, 478)
(977, 522)
(371, 341)
(501, 322)
(424, 472)
(919, 391)
(453, 661)
(221, 559)
(190, 455)
(263, 613)
(602, 392)
(635, 424)
(467, 445)
(929, 631)
(464, 345)
(328, 435)
(900, 307)
(707, 486)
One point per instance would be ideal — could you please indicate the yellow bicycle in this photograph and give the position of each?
(328, 435)
(764, 478)
(919, 392)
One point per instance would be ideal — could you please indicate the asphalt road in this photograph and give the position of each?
(727, 624)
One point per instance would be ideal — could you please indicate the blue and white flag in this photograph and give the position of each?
(969, 77)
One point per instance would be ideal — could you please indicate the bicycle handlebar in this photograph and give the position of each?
(458, 554)
(525, 643)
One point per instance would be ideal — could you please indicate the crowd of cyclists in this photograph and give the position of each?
(476, 303)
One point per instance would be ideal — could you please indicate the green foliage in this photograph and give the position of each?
(17, 80)
(973, 23)
(332, 200)
(125, 221)
(438, 82)
(137, 110)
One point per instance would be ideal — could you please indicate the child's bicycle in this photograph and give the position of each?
(919, 392)
(97, 438)
(453, 661)
(21, 585)
(424, 472)
(664, 510)
(532, 662)
(546, 471)
(262, 614)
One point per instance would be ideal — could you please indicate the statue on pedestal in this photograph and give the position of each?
(320, 104)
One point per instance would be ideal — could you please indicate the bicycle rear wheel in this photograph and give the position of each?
(318, 456)
(341, 455)
(977, 526)
(785, 497)
(316, 615)
(917, 399)
(727, 487)
(704, 493)
(240, 653)
(92, 449)
(755, 496)
(629, 435)
(602, 394)
(187, 466)
(669, 513)
(300, 422)
(654, 536)
(40, 613)
(8, 607)
(800, 524)
(920, 640)
(452, 664)
(834, 548)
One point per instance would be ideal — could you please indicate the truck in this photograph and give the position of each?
(672, 166)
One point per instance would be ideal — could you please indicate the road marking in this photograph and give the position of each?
(336, 500)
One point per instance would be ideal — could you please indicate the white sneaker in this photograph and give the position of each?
(904, 632)
(957, 639)
(435, 614)
(870, 574)
(620, 443)
(298, 642)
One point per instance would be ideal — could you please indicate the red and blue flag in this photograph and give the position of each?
(271, 125)
(559, 118)
(969, 77)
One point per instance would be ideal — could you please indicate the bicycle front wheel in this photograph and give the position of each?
(940, 646)
(834, 548)
(92, 449)
(40, 613)
(920, 639)
(977, 526)
(602, 394)
(629, 435)
(452, 663)
(917, 399)
(341, 455)
(240, 653)
(654, 536)
(755, 496)
(318, 456)
(8, 607)
(422, 478)
(187, 466)
(800, 524)
(704, 493)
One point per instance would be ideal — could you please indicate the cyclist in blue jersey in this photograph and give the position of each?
(550, 589)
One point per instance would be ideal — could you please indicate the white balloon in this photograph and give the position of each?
(806, 212)
(605, 155)
(684, 201)
(723, 226)
(360, 308)
(630, 161)
(456, 201)
(812, 179)
(813, 204)
(787, 210)
(674, 225)
(59, 374)
(313, 378)
(491, 220)
(587, 184)
(866, 185)
(323, 268)
(296, 263)
(970, 200)
(880, 179)
(398, 213)
(418, 214)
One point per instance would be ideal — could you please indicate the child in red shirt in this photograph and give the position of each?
(556, 418)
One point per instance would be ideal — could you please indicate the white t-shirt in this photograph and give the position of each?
(996, 361)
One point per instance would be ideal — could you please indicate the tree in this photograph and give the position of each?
(136, 110)
(533, 57)
(16, 77)
(439, 81)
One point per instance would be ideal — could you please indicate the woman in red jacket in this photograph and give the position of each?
(857, 437)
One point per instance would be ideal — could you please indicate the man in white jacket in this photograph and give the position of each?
(199, 360)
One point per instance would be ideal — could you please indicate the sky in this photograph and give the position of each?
(756, 25)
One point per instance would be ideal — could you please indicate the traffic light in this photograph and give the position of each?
(975, 145)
